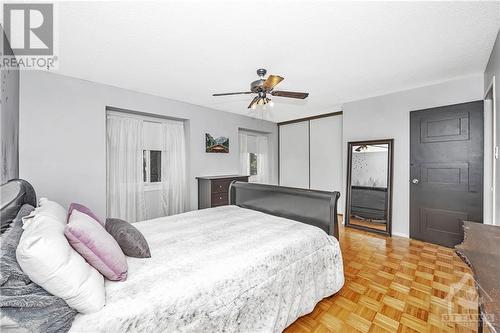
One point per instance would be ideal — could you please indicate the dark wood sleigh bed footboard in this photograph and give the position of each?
(317, 208)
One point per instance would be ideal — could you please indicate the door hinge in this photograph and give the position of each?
(496, 153)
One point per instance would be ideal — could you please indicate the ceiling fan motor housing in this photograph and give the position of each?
(256, 85)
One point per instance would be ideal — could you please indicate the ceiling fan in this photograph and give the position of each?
(262, 87)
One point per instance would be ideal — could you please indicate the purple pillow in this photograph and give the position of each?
(83, 209)
(96, 245)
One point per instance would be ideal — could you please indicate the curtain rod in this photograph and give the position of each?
(142, 116)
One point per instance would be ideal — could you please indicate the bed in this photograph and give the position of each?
(253, 266)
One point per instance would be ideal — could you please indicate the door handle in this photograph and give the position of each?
(415, 181)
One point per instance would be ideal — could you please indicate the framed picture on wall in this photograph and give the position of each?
(216, 145)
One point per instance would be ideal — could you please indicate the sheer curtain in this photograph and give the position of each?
(244, 157)
(125, 188)
(263, 163)
(258, 144)
(174, 178)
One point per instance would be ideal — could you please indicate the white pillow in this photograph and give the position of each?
(51, 209)
(45, 255)
(46, 208)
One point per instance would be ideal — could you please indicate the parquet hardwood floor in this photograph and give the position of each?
(394, 284)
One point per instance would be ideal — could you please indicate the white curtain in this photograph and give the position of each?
(174, 178)
(263, 163)
(125, 189)
(244, 157)
(259, 145)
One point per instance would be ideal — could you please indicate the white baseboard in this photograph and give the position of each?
(400, 234)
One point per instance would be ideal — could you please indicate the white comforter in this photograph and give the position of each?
(225, 269)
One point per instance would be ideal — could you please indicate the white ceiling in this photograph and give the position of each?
(336, 51)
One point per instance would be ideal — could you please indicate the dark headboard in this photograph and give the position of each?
(318, 208)
(14, 194)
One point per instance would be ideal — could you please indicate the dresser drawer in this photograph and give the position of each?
(219, 199)
(214, 191)
(221, 186)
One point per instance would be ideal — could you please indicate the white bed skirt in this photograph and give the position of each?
(225, 269)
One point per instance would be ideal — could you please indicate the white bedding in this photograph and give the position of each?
(224, 269)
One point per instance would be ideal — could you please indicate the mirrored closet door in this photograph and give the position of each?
(369, 185)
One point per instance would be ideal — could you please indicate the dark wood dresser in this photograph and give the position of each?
(213, 191)
(481, 251)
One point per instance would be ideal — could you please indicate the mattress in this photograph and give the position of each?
(224, 269)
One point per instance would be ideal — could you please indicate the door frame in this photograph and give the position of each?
(494, 147)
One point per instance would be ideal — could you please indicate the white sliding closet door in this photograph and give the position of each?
(294, 155)
(326, 155)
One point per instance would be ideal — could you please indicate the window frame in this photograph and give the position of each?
(256, 174)
(146, 157)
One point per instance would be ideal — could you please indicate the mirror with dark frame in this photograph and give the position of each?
(369, 185)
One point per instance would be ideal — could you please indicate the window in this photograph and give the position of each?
(254, 156)
(151, 163)
(252, 164)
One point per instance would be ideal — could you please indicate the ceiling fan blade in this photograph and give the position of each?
(290, 94)
(271, 82)
(254, 101)
(233, 93)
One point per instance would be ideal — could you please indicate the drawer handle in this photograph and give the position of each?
(220, 198)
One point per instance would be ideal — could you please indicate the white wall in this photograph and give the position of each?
(62, 136)
(493, 70)
(388, 116)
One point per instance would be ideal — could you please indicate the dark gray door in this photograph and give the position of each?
(446, 171)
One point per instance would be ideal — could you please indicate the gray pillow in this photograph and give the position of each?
(130, 239)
